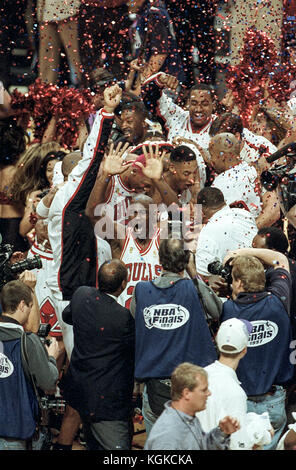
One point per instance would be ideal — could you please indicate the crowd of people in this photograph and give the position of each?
(164, 220)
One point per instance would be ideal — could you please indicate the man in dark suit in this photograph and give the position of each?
(99, 381)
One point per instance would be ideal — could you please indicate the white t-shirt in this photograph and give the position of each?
(240, 184)
(228, 229)
(229, 399)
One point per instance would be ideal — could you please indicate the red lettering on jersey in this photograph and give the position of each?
(137, 270)
(129, 291)
(158, 269)
(144, 278)
(129, 267)
(150, 271)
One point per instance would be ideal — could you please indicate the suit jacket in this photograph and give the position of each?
(99, 381)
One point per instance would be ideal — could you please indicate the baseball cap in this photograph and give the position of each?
(235, 333)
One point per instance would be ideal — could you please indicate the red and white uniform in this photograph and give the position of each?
(252, 143)
(142, 264)
(240, 184)
(119, 198)
(42, 291)
(177, 120)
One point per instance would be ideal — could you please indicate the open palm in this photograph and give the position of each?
(114, 163)
(154, 162)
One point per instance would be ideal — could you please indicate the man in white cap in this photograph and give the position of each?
(227, 396)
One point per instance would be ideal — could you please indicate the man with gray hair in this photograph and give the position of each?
(178, 428)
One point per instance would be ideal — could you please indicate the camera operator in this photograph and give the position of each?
(263, 300)
(19, 404)
(225, 228)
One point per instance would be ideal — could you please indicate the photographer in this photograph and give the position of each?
(170, 327)
(19, 404)
(263, 300)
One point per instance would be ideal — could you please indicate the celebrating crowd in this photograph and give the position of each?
(152, 225)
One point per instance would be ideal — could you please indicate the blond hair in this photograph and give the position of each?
(184, 376)
(250, 271)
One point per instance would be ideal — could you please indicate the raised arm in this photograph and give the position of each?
(268, 257)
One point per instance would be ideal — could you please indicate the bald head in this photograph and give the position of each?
(111, 277)
(69, 162)
(225, 151)
(172, 255)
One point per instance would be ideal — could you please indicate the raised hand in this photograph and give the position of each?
(113, 163)
(229, 425)
(28, 278)
(131, 84)
(112, 97)
(154, 163)
(168, 81)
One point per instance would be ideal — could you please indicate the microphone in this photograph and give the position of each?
(290, 148)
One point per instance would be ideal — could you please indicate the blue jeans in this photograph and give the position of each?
(148, 415)
(275, 406)
(18, 444)
(9, 444)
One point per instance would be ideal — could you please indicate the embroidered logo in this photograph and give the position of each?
(165, 317)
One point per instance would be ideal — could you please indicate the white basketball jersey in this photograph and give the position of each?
(119, 198)
(142, 265)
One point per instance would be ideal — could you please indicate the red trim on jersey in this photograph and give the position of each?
(42, 251)
(123, 185)
(145, 251)
(127, 237)
(157, 239)
(39, 254)
(153, 78)
(254, 147)
(203, 129)
(235, 204)
(111, 190)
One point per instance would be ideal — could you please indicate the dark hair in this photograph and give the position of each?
(111, 275)
(227, 122)
(135, 105)
(172, 255)
(210, 197)
(59, 155)
(127, 100)
(12, 142)
(12, 294)
(275, 239)
(203, 87)
(182, 154)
